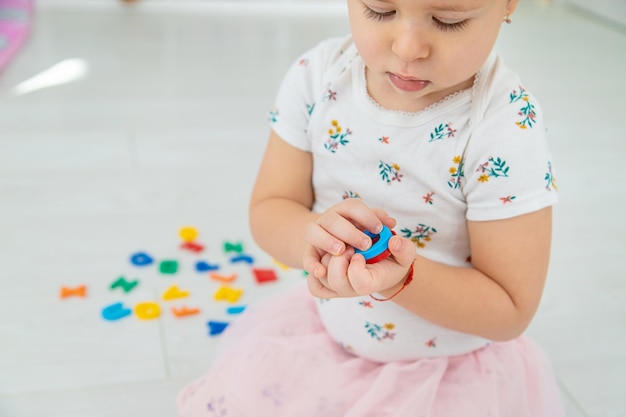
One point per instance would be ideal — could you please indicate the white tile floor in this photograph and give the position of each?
(167, 129)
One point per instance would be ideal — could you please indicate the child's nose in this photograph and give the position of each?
(410, 43)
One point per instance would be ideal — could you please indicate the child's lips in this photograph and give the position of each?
(409, 84)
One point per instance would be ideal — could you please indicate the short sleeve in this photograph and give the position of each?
(301, 87)
(508, 166)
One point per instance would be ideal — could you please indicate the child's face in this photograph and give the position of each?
(418, 51)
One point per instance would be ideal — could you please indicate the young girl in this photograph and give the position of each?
(415, 124)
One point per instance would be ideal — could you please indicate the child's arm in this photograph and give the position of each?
(498, 296)
(281, 201)
(281, 220)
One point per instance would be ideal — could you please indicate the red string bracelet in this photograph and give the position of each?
(407, 281)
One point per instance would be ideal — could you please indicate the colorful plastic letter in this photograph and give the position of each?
(127, 286)
(192, 247)
(141, 259)
(242, 258)
(235, 309)
(264, 275)
(147, 310)
(168, 267)
(281, 265)
(188, 233)
(184, 311)
(202, 266)
(174, 292)
(216, 327)
(223, 278)
(80, 291)
(228, 294)
(115, 311)
(233, 247)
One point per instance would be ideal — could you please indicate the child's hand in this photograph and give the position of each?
(338, 229)
(350, 276)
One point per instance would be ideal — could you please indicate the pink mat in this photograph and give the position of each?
(15, 21)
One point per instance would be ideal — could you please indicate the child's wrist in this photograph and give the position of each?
(391, 292)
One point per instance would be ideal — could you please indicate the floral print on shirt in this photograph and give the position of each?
(379, 332)
(420, 235)
(457, 172)
(527, 112)
(443, 131)
(431, 343)
(549, 178)
(330, 95)
(389, 172)
(336, 137)
(492, 168)
(273, 115)
(350, 194)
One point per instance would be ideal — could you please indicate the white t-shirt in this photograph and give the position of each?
(479, 154)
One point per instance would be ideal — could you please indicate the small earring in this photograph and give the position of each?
(507, 19)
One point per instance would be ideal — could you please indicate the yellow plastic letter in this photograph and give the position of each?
(148, 310)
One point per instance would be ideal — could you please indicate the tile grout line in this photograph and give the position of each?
(571, 398)
(166, 362)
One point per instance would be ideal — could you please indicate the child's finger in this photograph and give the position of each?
(312, 263)
(346, 221)
(361, 279)
(316, 235)
(402, 250)
(385, 218)
(317, 289)
(361, 215)
(338, 274)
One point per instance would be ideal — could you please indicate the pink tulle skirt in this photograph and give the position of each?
(277, 360)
